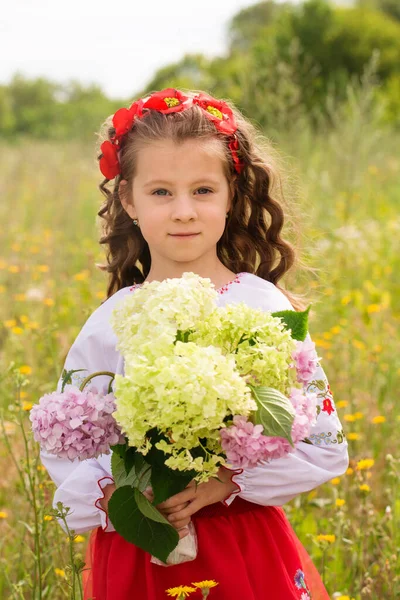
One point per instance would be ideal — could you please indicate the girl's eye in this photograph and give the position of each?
(203, 191)
(164, 192)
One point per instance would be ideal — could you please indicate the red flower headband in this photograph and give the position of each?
(167, 101)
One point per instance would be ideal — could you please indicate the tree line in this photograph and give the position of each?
(284, 63)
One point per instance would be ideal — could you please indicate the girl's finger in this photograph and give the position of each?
(181, 523)
(183, 532)
(183, 514)
(170, 511)
(186, 496)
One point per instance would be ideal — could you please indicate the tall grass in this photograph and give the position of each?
(348, 205)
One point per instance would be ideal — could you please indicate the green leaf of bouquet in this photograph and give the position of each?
(119, 449)
(140, 523)
(296, 321)
(167, 482)
(275, 412)
(119, 474)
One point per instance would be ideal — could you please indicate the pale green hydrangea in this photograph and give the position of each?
(252, 336)
(186, 395)
(158, 309)
(187, 389)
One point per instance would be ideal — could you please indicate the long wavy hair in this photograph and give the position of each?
(252, 239)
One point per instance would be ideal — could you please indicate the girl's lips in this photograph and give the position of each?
(183, 234)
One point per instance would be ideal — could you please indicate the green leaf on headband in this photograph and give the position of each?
(296, 321)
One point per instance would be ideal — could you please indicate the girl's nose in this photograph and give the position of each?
(184, 209)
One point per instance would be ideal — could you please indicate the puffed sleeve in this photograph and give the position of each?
(80, 483)
(321, 457)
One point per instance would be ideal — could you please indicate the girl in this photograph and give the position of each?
(192, 192)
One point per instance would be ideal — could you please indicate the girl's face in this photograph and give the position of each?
(179, 189)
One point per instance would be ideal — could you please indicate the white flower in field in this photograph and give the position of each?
(37, 294)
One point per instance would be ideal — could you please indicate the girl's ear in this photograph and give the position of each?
(125, 199)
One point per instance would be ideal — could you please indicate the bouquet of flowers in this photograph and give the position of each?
(204, 386)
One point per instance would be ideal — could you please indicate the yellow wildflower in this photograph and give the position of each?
(82, 276)
(25, 369)
(27, 405)
(342, 403)
(3, 514)
(17, 330)
(48, 518)
(78, 539)
(182, 591)
(33, 325)
(24, 319)
(378, 419)
(205, 584)
(343, 598)
(365, 463)
(373, 308)
(349, 471)
(335, 481)
(350, 418)
(330, 538)
(358, 344)
(13, 269)
(340, 502)
(346, 299)
(43, 268)
(10, 323)
(336, 329)
(323, 344)
(353, 436)
(358, 415)
(19, 297)
(48, 301)
(365, 487)
(59, 572)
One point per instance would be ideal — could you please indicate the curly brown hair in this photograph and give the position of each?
(251, 241)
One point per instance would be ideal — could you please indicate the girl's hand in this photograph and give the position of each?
(108, 491)
(179, 508)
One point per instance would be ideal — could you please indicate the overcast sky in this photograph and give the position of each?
(118, 44)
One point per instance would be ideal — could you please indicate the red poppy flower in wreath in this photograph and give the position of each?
(327, 406)
(168, 101)
(124, 119)
(217, 111)
(109, 164)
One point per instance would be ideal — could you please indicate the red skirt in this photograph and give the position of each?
(250, 550)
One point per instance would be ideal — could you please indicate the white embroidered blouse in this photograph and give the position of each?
(323, 456)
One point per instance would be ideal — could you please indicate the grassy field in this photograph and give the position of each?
(348, 209)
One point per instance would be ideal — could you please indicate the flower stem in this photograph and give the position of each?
(96, 374)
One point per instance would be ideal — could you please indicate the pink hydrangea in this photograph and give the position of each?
(76, 424)
(306, 359)
(245, 445)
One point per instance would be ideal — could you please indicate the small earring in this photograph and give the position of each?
(135, 221)
(227, 215)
